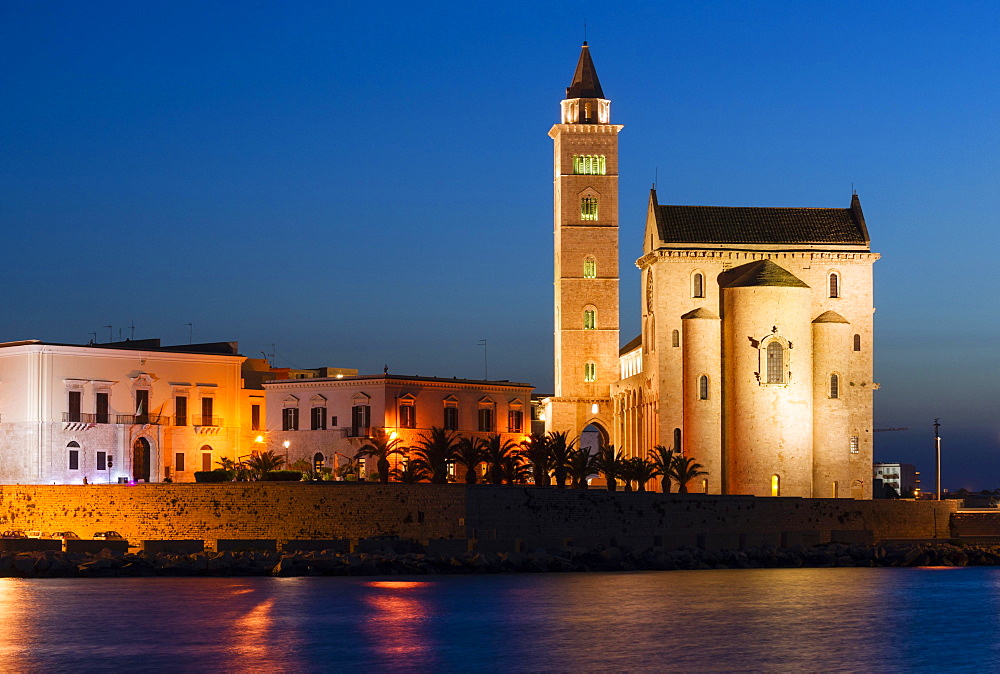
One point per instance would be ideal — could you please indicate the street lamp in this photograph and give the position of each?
(287, 444)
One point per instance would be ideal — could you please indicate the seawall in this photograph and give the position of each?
(530, 515)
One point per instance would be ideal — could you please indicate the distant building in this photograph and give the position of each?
(755, 356)
(132, 410)
(325, 420)
(903, 477)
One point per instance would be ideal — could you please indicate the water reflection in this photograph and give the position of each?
(396, 626)
(16, 628)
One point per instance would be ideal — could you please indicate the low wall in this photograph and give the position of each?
(283, 511)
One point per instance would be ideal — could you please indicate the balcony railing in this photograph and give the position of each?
(201, 420)
(359, 431)
(154, 419)
(86, 418)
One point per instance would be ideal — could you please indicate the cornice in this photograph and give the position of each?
(610, 129)
(710, 255)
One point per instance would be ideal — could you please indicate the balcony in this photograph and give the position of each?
(143, 419)
(359, 432)
(201, 420)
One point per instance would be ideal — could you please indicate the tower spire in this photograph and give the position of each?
(585, 83)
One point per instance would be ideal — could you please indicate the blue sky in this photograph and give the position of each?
(371, 184)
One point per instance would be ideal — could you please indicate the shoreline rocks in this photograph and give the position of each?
(106, 564)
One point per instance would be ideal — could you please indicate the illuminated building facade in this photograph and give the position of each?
(755, 355)
(132, 410)
(326, 420)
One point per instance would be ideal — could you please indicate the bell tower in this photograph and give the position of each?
(586, 256)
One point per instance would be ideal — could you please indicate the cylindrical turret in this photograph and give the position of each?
(831, 451)
(767, 334)
(702, 396)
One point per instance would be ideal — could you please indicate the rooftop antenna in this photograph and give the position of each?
(93, 339)
(111, 335)
(132, 334)
(190, 327)
(486, 365)
(119, 334)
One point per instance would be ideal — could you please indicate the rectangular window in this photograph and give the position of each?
(142, 406)
(318, 418)
(206, 461)
(179, 462)
(589, 268)
(75, 397)
(590, 372)
(74, 459)
(333, 422)
(588, 208)
(255, 417)
(407, 416)
(102, 408)
(514, 421)
(290, 419)
(451, 418)
(360, 419)
(486, 419)
(181, 411)
(855, 449)
(590, 164)
(207, 409)
(102, 461)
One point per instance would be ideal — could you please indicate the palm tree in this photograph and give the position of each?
(642, 470)
(610, 464)
(663, 460)
(515, 469)
(469, 454)
(685, 469)
(412, 473)
(435, 453)
(560, 450)
(260, 464)
(582, 465)
(536, 449)
(496, 450)
(381, 446)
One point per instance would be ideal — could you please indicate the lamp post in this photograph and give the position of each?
(937, 450)
(287, 444)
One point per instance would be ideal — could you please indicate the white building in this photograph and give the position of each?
(900, 476)
(132, 410)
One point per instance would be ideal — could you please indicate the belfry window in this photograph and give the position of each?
(588, 208)
(589, 165)
(775, 363)
(834, 284)
(589, 267)
(589, 319)
(589, 372)
(698, 285)
(834, 386)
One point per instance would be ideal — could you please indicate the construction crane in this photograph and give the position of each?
(883, 430)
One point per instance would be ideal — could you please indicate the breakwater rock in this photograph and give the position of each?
(51, 564)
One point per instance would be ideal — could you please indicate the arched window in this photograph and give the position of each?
(834, 489)
(698, 285)
(589, 372)
(677, 440)
(74, 455)
(589, 267)
(675, 338)
(704, 486)
(834, 284)
(318, 460)
(703, 387)
(589, 319)
(857, 342)
(206, 457)
(775, 363)
(775, 485)
(834, 386)
(588, 208)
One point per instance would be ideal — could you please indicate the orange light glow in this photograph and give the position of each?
(397, 584)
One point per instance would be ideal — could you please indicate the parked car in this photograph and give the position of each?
(108, 536)
(65, 535)
(12, 533)
(37, 534)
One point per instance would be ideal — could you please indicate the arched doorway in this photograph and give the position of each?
(593, 437)
(318, 461)
(141, 455)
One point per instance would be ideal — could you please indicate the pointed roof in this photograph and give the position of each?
(767, 273)
(830, 317)
(585, 83)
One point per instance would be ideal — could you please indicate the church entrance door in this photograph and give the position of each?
(141, 452)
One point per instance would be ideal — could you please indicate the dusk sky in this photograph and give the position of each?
(368, 184)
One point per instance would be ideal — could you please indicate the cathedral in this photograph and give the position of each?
(755, 356)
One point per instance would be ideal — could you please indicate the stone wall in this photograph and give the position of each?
(285, 511)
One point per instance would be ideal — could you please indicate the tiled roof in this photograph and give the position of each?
(631, 346)
(727, 224)
(585, 83)
(766, 273)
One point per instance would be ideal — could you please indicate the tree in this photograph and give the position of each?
(685, 469)
(536, 449)
(469, 454)
(663, 460)
(610, 462)
(435, 453)
(260, 464)
(639, 470)
(560, 451)
(381, 446)
(582, 465)
(496, 451)
(412, 473)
